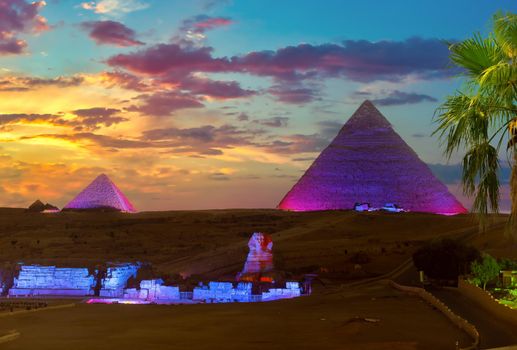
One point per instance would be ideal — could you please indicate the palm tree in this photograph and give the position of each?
(481, 118)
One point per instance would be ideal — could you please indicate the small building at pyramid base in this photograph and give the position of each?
(368, 162)
(101, 195)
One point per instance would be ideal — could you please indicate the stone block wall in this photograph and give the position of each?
(153, 290)
(225, 292)
(51, 280)
(116, 279)
(292, 290)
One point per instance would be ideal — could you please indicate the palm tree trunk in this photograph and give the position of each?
(513, 193)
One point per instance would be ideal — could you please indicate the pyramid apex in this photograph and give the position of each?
(367, 116)
(367, 103)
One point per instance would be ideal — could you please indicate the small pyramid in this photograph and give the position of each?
(368, 162)
(36, 207)
(50, 207)
(102, 194)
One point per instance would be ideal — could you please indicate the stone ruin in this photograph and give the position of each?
(36, 280)
(110, 284)
(152, 290)
(116, 278)
(260, 259)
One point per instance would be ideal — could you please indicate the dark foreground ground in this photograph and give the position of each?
(330, 319)
(213, 245)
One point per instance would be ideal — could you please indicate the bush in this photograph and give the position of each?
(484, 270)
(507, 264)
(445, 259)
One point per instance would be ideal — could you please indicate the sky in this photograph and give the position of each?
(215, 103)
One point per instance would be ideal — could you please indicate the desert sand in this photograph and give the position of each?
(213, 245)
(330, 319)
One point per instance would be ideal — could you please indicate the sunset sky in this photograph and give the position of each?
(212, 103)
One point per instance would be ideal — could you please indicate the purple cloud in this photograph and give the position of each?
(111, 33)
(274, 122)
(19, 16)
(396, 98)
(165, 103)
(203, 23)
(293, 95)
(85, 119)
(16, 83)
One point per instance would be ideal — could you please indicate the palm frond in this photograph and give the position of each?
(505, 32)
(480, 178)
(476, 54)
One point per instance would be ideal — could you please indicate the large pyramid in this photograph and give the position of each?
(102, 193)
(368, 162)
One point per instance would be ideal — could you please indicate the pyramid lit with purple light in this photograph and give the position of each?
(102, 193)
(368, 162)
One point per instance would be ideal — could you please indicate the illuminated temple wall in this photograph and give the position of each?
(116, 279)
(224, 292)
(152, 290)
(51, 280)
(368, 162)
(291, 290)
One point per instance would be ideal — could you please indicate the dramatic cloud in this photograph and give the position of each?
(298, 143)
(275, 122)
(165, 103)
(85, 119)
(242, 117)
(359, 60)
(294, 68)
(293, 95)
(214, 88)
(124, 80)
(114, 8)
(19, 16)
(203, 23)
(204, 139)
(395, 98)
(93, 118)
(111, 33)
(173, 58)
(15, 83)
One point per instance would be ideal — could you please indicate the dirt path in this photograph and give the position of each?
(493, 331)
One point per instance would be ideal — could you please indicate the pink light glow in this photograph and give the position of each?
(368, 162)
(101, 193)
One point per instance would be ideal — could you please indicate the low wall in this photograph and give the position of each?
(487, 301)
(51, 280)
(431, 299)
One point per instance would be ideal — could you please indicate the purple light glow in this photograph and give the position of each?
(368, 162)
(260, 257)
(52, 281)
(101, 193)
